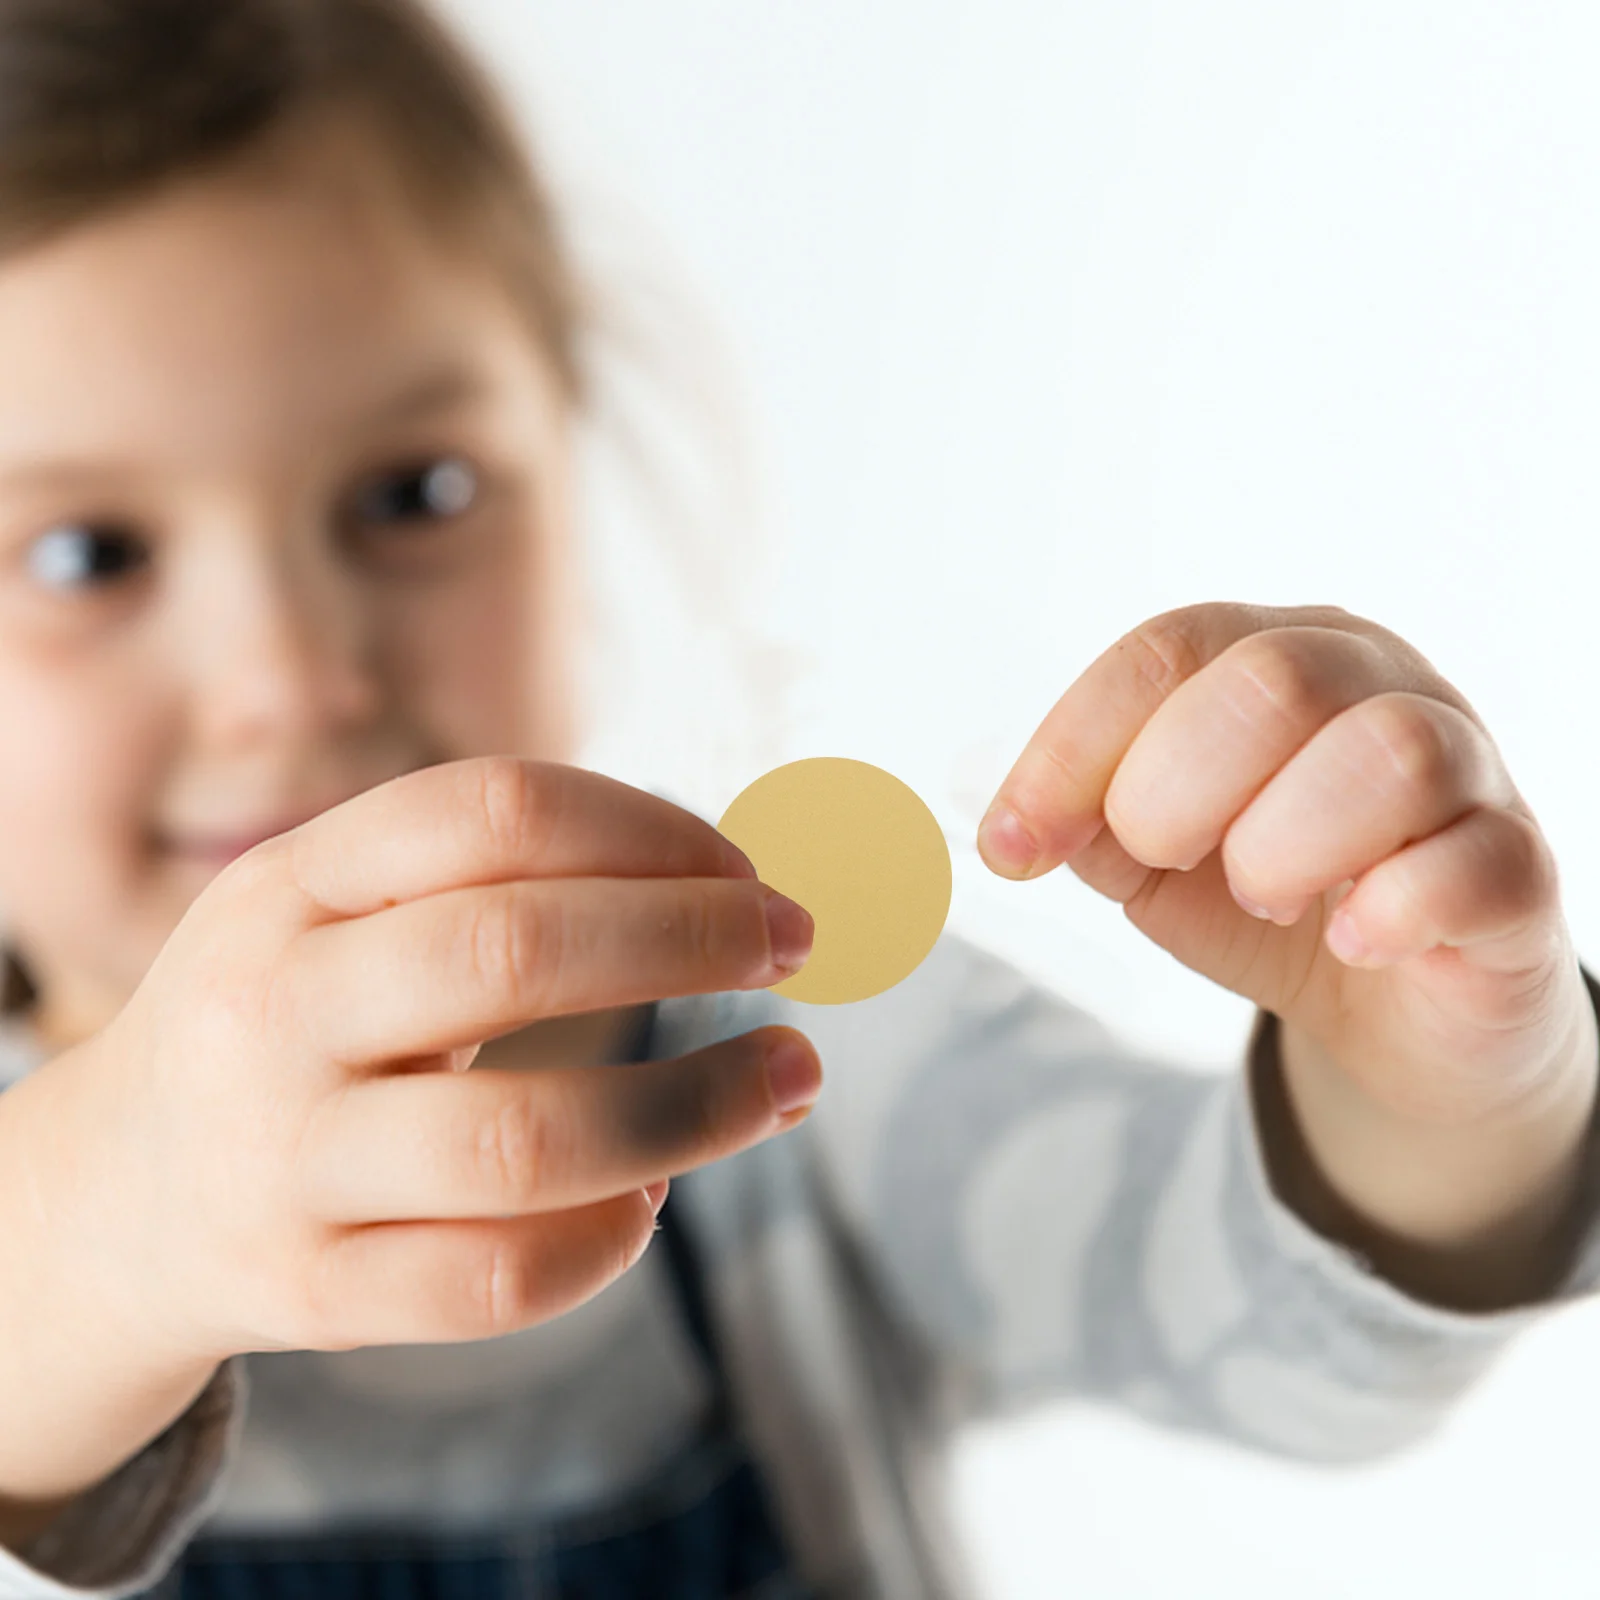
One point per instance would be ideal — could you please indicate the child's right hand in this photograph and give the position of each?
(255, 1161)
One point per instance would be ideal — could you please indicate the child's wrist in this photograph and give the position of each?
(87, 1375)
(1475, 1216)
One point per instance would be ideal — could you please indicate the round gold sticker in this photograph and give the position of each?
(863, 854)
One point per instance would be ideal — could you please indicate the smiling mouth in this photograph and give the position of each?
(214, 850)
(218, 849)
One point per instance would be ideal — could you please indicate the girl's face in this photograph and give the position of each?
(283, 515)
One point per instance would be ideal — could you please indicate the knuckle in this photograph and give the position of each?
(1165, 651)
(494, 947)
(1413, 744)
(703, 927)
(509, 800)
(1284, 673)
(1336, 616)
(699, 923)
(262, 866)
(1066, 770)
(511, 939)
(503, 1285)
(519, 1151)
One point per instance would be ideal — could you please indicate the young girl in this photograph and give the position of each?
(291, 1302)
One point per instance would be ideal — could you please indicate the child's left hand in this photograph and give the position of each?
(1220, 759)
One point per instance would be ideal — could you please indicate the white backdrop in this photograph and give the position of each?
(1054, 315)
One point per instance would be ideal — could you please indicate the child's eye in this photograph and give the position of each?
(66, 555)
(428, 491)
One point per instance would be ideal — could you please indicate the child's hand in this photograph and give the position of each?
(1224, 758)
(252, 1166)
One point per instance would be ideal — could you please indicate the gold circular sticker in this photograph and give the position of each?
(863, 854)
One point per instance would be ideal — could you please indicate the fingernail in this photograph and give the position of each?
(656, 1194)
(790, 930)
(1004, 841)
(1284, 918)
(1249, 905)
(794, 1076)
(1345, 941)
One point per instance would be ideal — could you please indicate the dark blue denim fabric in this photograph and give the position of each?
(701, 1528)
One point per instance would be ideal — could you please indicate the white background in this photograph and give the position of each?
(1055, 315)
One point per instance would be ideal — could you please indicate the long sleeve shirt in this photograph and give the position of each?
(995, 1202)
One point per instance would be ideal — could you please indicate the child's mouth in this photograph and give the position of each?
(216, 850)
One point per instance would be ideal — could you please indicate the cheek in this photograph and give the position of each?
(481, 661)
(75, 764)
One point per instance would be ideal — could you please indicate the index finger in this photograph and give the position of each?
(490, 819)
(1056, 789)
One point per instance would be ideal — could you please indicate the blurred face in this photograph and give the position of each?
(283, 514)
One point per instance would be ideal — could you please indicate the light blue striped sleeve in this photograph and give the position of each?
(1047, 1212)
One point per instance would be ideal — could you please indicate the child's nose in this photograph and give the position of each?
(284, 651)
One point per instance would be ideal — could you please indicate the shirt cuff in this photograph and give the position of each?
(1348, 1271)
(126, 1533)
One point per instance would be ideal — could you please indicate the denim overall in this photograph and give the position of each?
(701, 1528)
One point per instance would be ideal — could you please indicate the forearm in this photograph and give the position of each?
(1474, 1215)
(81, 1390)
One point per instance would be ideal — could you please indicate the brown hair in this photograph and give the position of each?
(105, 102)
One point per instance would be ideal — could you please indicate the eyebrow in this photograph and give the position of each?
(443, 386)
(69, 472)
(436, 390)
